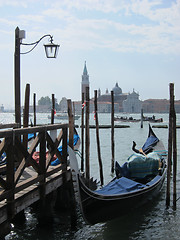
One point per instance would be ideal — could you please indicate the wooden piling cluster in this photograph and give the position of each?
(25, 181)
(19, 194)
(87, 126)
(172, 149)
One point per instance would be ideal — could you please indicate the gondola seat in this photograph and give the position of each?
(139, 166)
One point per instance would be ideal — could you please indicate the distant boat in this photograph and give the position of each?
(131, 119)
(126, 119)
(152, 119)
(63, 117)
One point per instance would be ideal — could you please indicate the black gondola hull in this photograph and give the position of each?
(100, 208)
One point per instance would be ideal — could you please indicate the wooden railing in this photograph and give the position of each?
(19, 157)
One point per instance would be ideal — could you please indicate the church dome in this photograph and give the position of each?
(117, 90)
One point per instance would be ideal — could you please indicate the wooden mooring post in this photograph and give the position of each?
(26, 113)
(87, 138)
(82, 133)
(34, 108)
(17, 84)
(112, 131)
(52, 109)
(171, 148)
(174, 160)
(70, 188)
(98, 140)
(141, 118)
(53, 133)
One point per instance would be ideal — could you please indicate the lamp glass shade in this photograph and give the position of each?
(51, 50)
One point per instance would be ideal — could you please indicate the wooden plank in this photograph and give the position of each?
(9, 125)
(31, 194)
(28, 154)
(53, 148)
(42, 166)
(4, 195)
(2, 169)
(109, 126)
(3, 214)
(10, 181)
(3, 183)
(64, 148)
(34, 179)
(4, 145)
(27, 199)
(21, 131)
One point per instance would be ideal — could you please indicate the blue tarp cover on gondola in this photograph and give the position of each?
(150, 142)
(119, 186)
(140, 166)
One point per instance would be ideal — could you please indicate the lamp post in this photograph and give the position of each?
(51, 50)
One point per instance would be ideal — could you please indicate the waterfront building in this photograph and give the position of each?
(103, 107)
(132, 104)
(119, 97)
(123, 102)
(2, 108)
(63, 105)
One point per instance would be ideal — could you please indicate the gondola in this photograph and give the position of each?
(63, 117)
(126, 119)
(137, 181)
(152, 119)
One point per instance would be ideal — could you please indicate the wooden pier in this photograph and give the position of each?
(24, 181)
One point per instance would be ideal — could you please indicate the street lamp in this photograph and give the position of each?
(51, 50)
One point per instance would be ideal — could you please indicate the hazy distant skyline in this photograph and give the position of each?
(133, 42)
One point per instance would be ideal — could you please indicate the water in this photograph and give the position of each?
(150, 222)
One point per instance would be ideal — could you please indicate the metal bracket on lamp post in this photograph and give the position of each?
(51, 50)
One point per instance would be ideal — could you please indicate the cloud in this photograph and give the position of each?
(13, 3)
(19, 3)
(121, 25)
(157, 33)
(7, 22)
(26, 19)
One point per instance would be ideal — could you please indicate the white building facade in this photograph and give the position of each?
(132, 104)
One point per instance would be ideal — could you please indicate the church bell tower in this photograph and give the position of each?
(85, 80)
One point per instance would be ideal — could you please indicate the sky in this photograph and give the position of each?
(135, 43)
